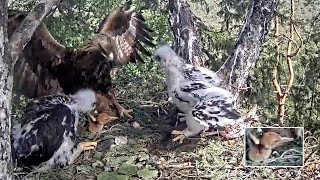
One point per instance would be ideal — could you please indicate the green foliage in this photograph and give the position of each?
(111, 176)
(75, 21)
(233, 12)
(148, 173)
(219, 45)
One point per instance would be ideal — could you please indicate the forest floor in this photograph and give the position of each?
(127, 151)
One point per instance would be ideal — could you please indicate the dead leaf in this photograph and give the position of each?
(135, 125)
(121, 140)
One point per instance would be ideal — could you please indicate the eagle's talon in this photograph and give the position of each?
(125, 112)
(180, 136)
(121, 110)
(88, 145)
(206, 133)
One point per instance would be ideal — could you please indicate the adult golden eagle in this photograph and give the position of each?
(47, 67)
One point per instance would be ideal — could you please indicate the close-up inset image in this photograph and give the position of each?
(274, 146)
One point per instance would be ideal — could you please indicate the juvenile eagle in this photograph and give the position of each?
(47, 135)
(47, 67)
(194, 90)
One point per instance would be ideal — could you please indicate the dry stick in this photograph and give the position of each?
(314, 150)
(289, 60)
(310, 155)
(275, 75)
(301, 43)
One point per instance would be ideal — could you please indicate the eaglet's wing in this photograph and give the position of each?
(42, 134)
(34, 106)
(197, 73)
(217, 109)
(127, 29)
(31, 72)
(186, 95)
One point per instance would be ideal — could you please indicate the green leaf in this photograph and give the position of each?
(111, 176)
(143, 156)
(148, 173)
(97, 164)
(128, 169)
(85, 169)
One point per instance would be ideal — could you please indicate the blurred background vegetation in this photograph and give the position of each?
(74, 21)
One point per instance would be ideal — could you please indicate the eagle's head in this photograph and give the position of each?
(272, 139)
(86, 100)
(167, 57)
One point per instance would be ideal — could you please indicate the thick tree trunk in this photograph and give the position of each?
(6, 81)
(9, 53)
(236, 69)
(186, 32)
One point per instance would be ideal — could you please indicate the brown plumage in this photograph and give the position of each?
(48, 67)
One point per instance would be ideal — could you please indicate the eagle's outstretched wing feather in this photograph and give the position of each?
(42, 33)
(32, 76)
(127, 29)
(47, 67)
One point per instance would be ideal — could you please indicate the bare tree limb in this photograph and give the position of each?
(22, 35)
(236, 68)
(186, 32)
(282, 93)
(275, 75)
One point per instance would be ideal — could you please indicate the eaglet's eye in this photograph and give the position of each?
(94, 104)
(157, 58)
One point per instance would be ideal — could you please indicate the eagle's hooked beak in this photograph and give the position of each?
(130, 10)
(286, 139)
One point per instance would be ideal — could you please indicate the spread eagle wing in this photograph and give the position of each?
(31, 72)
(127, 29)
(41, 34)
